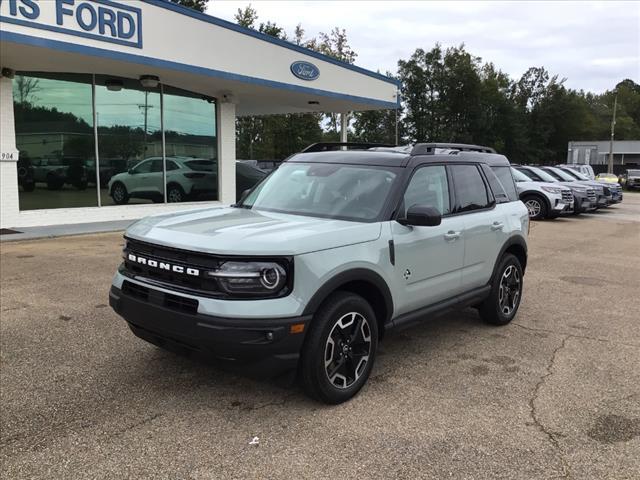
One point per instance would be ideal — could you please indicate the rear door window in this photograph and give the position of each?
(471, 191)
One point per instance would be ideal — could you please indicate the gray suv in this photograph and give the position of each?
(336, 248)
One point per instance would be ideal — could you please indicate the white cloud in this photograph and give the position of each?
(593, 44)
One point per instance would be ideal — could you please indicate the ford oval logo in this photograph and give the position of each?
(305, 70)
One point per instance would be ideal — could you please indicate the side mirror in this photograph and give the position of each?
(244, 195)
(131, 171)
(421, 216)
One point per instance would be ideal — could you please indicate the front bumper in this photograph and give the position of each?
(263, 346)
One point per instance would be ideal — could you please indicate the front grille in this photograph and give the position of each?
(591, 195)
(184, 304)
(175, 280)
(606, 191)
(168, 300)
(135, 290)
(567, 196)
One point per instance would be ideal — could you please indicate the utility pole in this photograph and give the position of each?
(146, 108)
(613, 132)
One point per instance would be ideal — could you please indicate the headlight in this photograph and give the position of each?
(251, 279)
(552, 189)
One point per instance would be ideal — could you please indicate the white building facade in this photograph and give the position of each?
(99, 92)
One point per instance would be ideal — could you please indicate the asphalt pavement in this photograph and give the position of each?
(555, 394)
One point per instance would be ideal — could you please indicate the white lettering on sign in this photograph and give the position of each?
(103, 20)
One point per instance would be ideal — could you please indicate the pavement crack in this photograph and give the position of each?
(140, 423)
(551, 436)
(277, 403)
(573, 335)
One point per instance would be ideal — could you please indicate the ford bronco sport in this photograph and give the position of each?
(335, 248)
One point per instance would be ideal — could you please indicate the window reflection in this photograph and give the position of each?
(56, 139)
(129, 142)
(54, 134)
(190, 138)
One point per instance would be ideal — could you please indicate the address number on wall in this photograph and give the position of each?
(9, 156)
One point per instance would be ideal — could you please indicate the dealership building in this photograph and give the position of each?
(113, 110)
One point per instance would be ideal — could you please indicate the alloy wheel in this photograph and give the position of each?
(118, 193)
(347, 350)
(510, 288)
(174, 195)
(534, 208)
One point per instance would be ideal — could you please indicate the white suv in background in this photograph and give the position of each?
(186, 177)
(543, 199)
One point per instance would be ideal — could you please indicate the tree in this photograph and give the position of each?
(199, 5)
(26, 88)
(246, 17)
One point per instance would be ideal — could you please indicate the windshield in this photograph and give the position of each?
(520, 176)
(539, 175)
(633, 172)
(560, 174)
(345, 192)
(575, 174)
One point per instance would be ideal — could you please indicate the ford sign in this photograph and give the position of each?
(305, 70)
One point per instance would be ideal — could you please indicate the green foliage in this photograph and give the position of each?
(449, 95)
(199, 5)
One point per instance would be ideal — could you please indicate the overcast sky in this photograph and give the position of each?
(593, 44)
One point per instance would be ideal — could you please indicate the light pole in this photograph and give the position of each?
(613, 131)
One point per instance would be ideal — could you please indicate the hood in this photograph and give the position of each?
(593, 184)
(533, 184)
(238, 231)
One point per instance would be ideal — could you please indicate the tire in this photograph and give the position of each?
(536, 206)
(494, 309)
(339, 378)
(119, 194)
(175, 194)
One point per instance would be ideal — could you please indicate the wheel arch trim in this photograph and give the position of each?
(348, 276)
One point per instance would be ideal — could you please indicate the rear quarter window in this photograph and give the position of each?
(506, 183)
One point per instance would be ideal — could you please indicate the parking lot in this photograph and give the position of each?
(554, 394)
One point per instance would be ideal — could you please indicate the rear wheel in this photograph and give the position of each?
(175, 194)
(536, 206)
(506, 291)
(340, 348)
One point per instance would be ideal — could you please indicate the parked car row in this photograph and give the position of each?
(549, 192)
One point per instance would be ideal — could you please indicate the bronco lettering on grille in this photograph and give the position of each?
(163, 265)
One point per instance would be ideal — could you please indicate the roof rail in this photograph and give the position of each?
(430, 148)
(328, 146)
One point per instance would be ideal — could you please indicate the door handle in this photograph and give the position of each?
(497, 226)
(451, 235)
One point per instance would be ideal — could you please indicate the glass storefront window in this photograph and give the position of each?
(54, 134)
(190, 139)
(129, 142)
(56, 139)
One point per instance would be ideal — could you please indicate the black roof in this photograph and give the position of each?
(399, 156)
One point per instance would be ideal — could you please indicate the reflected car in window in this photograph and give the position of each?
(187, 178)
(56, 172)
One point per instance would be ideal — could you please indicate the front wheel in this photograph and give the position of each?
(536, 207)
(119, 194)
(506, 291)
(340, 348)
